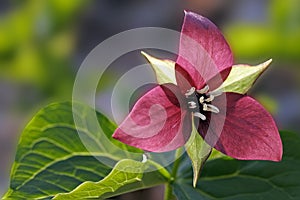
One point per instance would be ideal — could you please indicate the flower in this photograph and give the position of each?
(228, 120)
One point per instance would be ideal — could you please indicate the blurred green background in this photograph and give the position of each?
(42, 44)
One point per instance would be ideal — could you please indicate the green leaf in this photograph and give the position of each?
(164, 69)
(125, 172)
(230, 179)
(198, 151)
(52, 159)
(242, 77)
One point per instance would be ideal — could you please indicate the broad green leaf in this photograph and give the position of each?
(242, 77)
(125, 172)
(52, 159)
(198, 151)
(230, 179)
(164, 69)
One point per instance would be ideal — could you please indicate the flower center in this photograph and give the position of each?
(199, 102)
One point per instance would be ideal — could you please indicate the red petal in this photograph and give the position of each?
(156, 123)
(203, 50)
(248, 131)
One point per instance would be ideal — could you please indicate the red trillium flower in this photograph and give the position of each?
(230, 121)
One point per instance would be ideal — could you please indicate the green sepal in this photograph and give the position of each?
(198, 151)
(242, 77)
(164, 69)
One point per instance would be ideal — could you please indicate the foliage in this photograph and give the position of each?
(52, 161)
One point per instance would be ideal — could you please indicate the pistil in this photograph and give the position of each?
(199, 102)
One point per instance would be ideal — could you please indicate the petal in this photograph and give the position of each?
(188, 76)
(156, 123)
(246, 132)
(203, 51)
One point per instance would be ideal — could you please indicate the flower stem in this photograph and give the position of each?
(161, 169)
(168, 188)
(168, 192)
(176, 162)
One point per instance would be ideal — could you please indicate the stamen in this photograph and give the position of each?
(210, 98)
(192, 104)
(203, 90)
(190, 91)
(215, 93)
(201, 99)
(145, 158)
(205, 107)
(212, 108)
(200, 115)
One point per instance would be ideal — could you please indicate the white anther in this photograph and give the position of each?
(212, 108)
(215, 93)
(192, 104)
(210, 98)
(203, 90)
(205, 107)
(201, 100)
(190, 91)
(145, 158)
(200, 115)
